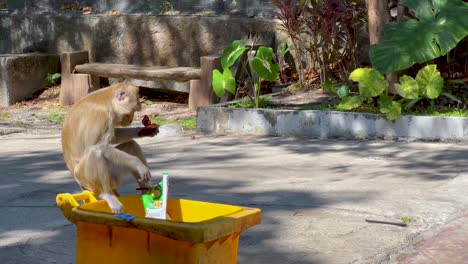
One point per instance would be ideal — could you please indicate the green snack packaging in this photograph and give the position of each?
(155, 202)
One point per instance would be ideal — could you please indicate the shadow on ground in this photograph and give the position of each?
(432, 164)
(35, 229)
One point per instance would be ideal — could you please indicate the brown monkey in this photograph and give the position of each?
(97, 149)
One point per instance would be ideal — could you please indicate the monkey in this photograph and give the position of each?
(98, 146)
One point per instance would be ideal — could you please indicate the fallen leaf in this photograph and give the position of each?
(113, 13)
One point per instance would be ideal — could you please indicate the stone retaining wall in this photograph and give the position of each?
(132, 39)
(23, 74)
(250, 8)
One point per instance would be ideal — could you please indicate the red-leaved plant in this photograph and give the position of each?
(290, 14)
(323, 34)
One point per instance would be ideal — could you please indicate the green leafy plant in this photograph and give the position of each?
(224, 81)
(428, 84)
(350, 103)
(261, 68)
(373, 87)
(186, 123)
(55, 117)
(52, 79)
(4, 116)
(166, 7)
(263, 65)
(430, 111)
(371, 82)
(21, 123)
(281, 52)
(436, 29)
(391, 109)
(407, 219)
(232, 53)
(448, 112)
(264, 102)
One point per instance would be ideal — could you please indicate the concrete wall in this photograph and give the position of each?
(22, 75)
(132, 39)
(328, 124)
(219, 7)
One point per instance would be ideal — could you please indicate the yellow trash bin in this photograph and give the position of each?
(199, 232)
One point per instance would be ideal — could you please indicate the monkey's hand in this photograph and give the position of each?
(150, 129)
(144, 173)
(148, 132)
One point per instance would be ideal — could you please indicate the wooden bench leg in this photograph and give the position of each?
(75, 86)
(201, 91)
(81, 85)
(194, 94)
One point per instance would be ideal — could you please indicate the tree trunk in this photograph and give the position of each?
(378, 15)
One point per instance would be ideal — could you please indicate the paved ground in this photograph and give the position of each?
(448, 246)
(315, 196)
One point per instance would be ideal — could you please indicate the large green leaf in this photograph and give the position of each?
(263, 64)
(343, 91)
(391, 109)
(232, 53)
(408, 87)
(218, 83)
(230, 81)
(430, 81)
(439, 26)
(428, 9)
(371, 82)
(350, 103)
(223, 82)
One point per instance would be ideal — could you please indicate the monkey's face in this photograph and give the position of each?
(126, 102)
(132, 106)
(127, 119)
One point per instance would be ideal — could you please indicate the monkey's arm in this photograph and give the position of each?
(124, 159)
(125, 134)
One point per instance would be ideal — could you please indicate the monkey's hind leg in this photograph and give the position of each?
(93, 173)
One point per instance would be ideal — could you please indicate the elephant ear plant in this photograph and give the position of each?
(373, 86)
(261, 66)
(436, 29)
(428, 84)
(225, 81)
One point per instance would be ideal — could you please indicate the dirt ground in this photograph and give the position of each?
(296, 99)
(43, 111)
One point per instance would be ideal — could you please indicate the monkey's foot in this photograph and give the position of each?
(113, 203)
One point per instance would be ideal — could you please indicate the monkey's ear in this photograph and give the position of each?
(121, 94)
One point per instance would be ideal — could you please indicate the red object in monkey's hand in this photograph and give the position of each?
(150, 129)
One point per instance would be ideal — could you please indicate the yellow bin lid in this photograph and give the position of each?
(192, 221)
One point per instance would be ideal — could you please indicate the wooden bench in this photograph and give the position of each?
(79, 77)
